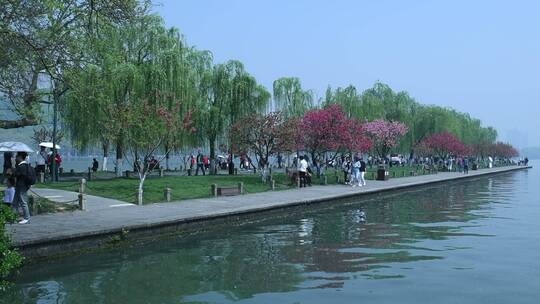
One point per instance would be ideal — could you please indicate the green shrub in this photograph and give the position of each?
(10, 259)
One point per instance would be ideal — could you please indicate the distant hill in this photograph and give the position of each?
(531, 152)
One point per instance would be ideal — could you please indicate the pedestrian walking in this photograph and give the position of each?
(206, 162)
(363, 172)
(302, 171)
(25, 177)
(200, 164)
(346, 167)
(465, 166)
(42, 160)
(355, 178)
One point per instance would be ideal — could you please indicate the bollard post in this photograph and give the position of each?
(167, 194)
(298, 180)
(338, 179)
(241, 187)
(89, 173)
(161, 172)
(82, 199)
(273, 183)
(42, 177)
(213, 190)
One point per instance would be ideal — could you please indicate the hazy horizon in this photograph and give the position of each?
(478, 57)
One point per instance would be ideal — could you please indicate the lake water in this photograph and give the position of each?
(471, 242)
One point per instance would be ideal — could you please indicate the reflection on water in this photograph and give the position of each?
(460, 243)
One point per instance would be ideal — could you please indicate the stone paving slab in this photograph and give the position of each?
(72, 226)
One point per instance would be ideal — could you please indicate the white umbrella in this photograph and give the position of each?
(14, 146)
(48, 144)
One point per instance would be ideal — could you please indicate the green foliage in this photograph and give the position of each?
(43, 38)
(381, 102)
(10, 258)
(228, 93)
(291, 99)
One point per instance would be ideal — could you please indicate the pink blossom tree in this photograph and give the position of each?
(443, 145)
(385, 134)
(265, 135)
(146, 127)
(502, 150)
(329, 130)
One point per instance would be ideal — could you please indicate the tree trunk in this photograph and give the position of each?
(212, 143)
(167, 156)
(119, 158)
(315, 164)
(142, 177)
(105, 155)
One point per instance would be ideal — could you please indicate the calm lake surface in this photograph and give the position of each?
(471, 242)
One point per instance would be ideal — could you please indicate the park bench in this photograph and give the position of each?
(227, 190)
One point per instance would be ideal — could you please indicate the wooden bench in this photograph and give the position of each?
(227, 191)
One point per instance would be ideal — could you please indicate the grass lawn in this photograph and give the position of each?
(182, 187)
(188, 187)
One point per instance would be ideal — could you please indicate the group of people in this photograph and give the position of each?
(150, 164)
(44, 160)
(354, 171)
(18, 179)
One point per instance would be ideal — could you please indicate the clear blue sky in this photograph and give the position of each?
(482, 57)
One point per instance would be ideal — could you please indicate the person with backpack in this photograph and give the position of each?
(25, 177)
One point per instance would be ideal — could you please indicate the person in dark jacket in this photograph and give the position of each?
(22, 186)
(200, 164)
(95, 165)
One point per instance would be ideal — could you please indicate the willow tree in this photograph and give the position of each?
(348, 98)
(141, 60)
(290, 98)
(228, 93)
(41, 38)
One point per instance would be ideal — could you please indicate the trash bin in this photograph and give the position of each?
(475, 167)
(382, 174)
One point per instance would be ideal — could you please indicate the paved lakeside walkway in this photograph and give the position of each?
(70, 227)
(93, 203)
